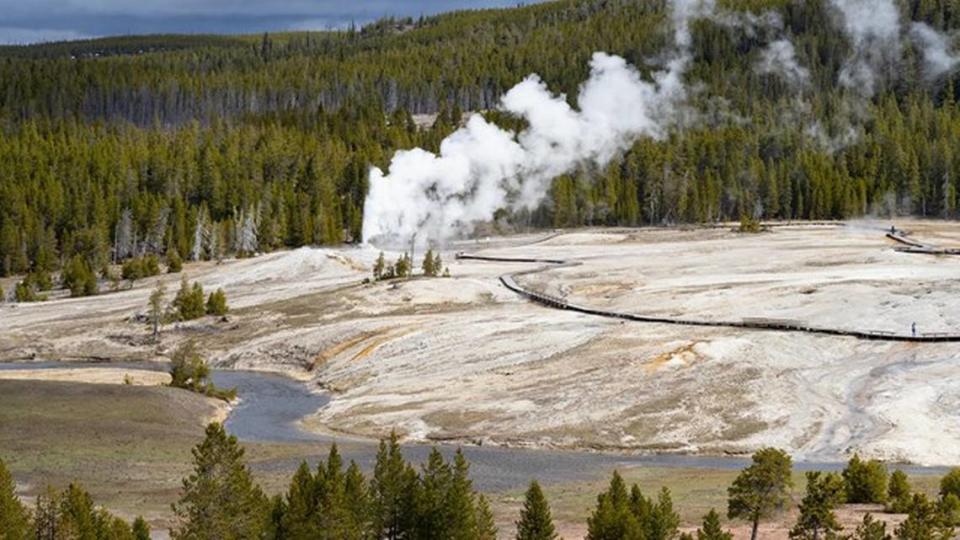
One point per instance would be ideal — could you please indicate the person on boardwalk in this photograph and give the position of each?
(913, 329)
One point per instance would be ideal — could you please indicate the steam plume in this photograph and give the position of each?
(936, 50)
(481, 167)
(780, 58)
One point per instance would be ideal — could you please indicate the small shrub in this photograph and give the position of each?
(217, 303)
(188, 370)
(40, 279)
(79, 278)
(749, 224)
(24, 292)
(174, 262)
(189, 301)
(141, 267)
(127, 379)
(151, 265)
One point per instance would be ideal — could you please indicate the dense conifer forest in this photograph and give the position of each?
(209, 145)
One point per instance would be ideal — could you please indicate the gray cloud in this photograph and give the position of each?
(46, 20)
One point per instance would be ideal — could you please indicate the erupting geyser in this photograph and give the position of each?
(481, 167)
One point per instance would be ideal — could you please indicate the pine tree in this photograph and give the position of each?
(824, 493)
(486, 527)
(428, 268)
(155, 308)
(189, 301)
(299, 517)
(898, 492)
(379, 268)
(219, 499)
(871, 529)
(14, 516)
(924, 522)
(866, 481)
(392, 491)
(612, 518)
(711, 528)
(460, 502)
(141, 530)
(174, 262)
(79, 278)
(535, 521)
(358, 499)
(431, 501)
(217, 303)
(760, 489)
(664, 520)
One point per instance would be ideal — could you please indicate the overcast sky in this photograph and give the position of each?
(30, 21)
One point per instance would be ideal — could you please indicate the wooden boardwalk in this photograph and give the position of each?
(921, 248)
(749, 323)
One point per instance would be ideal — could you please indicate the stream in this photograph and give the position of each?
(271, 404)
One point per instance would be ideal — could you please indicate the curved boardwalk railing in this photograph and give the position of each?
(914, 246)
(777, 325)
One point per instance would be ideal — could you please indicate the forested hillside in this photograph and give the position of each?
(117, 147)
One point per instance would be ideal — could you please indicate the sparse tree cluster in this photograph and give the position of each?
(67, 514)
(220, 499)
(432, 266)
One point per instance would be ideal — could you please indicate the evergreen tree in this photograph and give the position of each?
(535, 521)
(189, 301)
(866, 481)
(950, 483)
(899, 492)
(299, 519)
(761, 489)
(141, 530)
(711, 528)
(217, 303)
(392, 490)
(79, 278)
(174, 262)
(871, 529)
(486, 527)
(14, 517)
(431, 498)
(460, 502)
(188, 369)
(379, 268)
(219, 498)
(429, 270)
(824, 493)
(664, 521)
(923, 522)
(612, 518)
(155, 308)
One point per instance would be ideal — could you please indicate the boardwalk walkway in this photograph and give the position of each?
(751, 323)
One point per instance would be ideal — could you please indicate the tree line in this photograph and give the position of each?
(220, 499)
(203, 147)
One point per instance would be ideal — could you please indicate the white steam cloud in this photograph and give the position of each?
(874, 30)
(938, 60)
(481, 168)
(780, 58)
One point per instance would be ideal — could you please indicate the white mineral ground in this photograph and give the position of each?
(466, 359)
